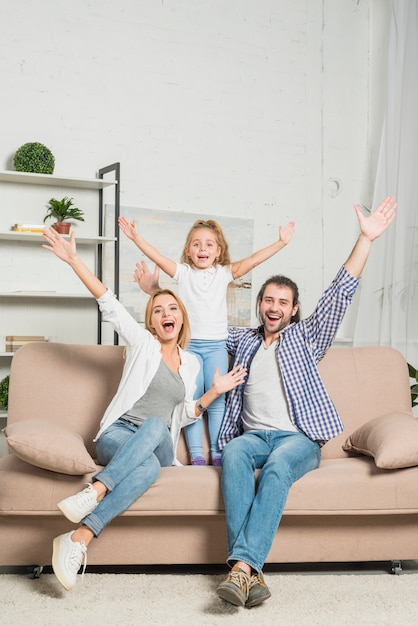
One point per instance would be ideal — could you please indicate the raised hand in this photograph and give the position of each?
(62, 248)
(148, 282)
(373, 225)
(286, 233)
(128, 228)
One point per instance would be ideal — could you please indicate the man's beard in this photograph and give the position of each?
(275, 326)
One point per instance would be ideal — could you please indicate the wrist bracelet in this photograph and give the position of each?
(201, 408)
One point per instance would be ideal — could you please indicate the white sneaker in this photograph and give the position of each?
(75, 508)
(67, 558)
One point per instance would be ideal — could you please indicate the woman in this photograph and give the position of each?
(140, 428)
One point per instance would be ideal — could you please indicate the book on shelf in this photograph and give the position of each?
(28, 228)
(14, 342)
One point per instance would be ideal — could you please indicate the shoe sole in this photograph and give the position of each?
(68, 513)
(229, 595)
(256, 601)
(56, 547)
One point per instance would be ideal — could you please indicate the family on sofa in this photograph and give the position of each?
(278, 413)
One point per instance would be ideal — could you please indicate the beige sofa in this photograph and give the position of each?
(347, 510)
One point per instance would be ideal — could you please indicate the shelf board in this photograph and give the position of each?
(5, 354)
(46, 294)
(37, 237)
(52, 180)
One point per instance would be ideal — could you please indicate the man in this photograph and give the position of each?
(279, 418)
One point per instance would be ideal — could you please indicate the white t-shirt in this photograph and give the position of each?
(204, 295)
(265, 405)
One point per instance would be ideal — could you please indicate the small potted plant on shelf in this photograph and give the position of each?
(34, 157)
(63, 210)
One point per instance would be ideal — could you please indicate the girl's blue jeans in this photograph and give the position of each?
(212, 354)
(133, 457)
(254, 507)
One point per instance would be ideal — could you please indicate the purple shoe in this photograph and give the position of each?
(198, 460)
(217, 461)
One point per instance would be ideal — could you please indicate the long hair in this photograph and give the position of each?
(184, 334)
(213, 226)
(280, 281)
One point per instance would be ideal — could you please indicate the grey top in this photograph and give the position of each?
(164, 392)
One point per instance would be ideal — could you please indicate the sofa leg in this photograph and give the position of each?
(396, 567)
(35, 571)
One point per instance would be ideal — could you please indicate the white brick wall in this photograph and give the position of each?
(237, 107)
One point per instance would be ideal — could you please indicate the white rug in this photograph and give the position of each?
(166, 599)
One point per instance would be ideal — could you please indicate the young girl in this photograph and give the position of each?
(139, 431)
(203, 276)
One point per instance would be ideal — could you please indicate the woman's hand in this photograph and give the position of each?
(286, 233)
(235, 377)
(62, 248)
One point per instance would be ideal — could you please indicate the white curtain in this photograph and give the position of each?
(388, 301)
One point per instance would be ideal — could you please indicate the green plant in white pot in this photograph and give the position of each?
(63, 210)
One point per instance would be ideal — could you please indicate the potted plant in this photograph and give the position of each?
(63, 210)
(413, 373)
(4, 392)
(34, 157)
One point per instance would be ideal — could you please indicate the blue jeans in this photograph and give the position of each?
(254, 508)
(133, 457)
(212, 354)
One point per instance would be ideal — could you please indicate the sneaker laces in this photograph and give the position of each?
(240, 579)
(255, 580)
(79, 556)
(84, 497)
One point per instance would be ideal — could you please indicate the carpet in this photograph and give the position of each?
(314, 599)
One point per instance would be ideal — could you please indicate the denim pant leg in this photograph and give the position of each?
(212, 354)
(134, 467)
(254, 510)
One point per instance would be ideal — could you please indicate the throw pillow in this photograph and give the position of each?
(391, 439)
(49, 446)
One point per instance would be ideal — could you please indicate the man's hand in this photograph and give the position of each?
(147, 282)
(373, 225)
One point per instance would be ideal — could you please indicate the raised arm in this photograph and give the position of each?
(67, 252)
(239, 268)
(371, 227)
(130, 229)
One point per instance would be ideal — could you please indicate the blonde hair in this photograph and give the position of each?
(213, 226)
(184, 334)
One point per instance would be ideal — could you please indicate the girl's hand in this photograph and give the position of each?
(286, 233)
(233, 378)
(128, 228)
(62, 248)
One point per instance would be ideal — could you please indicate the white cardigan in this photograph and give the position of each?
(142, 359)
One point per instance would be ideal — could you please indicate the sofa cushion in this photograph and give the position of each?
(349, 486)
(392, 440)
(49, 446)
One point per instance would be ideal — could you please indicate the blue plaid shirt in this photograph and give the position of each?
(300, 348)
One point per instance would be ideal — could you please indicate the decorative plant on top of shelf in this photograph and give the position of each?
(63, 210)
(4, 392)
(34, 157)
